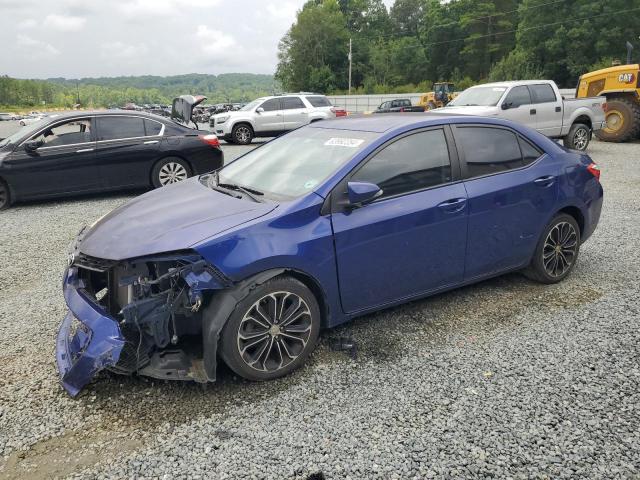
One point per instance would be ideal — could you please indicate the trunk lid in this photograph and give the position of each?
(183, 106)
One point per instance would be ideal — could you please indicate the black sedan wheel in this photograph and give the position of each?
(5, 196)
(170, 170)
(272, 331)
(557, 251)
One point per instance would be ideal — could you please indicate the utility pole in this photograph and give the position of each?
(350, 61)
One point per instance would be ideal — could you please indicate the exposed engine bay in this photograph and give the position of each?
(157, 303)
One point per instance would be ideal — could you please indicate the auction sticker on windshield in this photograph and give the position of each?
(344, 142)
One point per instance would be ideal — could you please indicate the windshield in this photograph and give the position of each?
(250, 106)
(25, 132)
(294, 164)
(479, 96)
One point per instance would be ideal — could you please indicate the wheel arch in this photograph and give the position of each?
(577, 215)
(583, 119)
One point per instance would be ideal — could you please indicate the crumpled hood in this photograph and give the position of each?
(470, 110)
(170, 218)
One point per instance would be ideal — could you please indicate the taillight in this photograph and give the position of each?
(594, 170)
(210, 140)
(401, 109)
(605, 106)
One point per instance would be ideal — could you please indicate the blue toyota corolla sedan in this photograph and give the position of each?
(331, 221)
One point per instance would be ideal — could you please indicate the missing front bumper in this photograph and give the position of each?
(95, 344)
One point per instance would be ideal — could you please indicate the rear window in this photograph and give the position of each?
(543, 93)
(114, 128)
(319, 101)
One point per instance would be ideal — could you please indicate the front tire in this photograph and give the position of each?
(578, 137)
(169, 170)
(242, 134)
(272, 331)
(557, 251)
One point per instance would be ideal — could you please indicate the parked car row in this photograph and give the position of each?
(324, 224)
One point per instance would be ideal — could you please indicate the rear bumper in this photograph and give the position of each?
(95, 343)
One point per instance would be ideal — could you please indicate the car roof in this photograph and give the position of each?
(512, 83)
(89, 113)
(379, 123)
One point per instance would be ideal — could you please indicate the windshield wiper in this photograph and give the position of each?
(249, 192)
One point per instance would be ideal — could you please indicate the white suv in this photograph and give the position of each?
(271, 116)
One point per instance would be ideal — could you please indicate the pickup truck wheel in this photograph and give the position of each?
(5, 196)
(578, 137)
(242, 134)
(272, 331)
(623, 121)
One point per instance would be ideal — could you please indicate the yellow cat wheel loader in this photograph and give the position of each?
(621, 85)
(441, 95)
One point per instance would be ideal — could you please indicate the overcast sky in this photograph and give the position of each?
(91, 38)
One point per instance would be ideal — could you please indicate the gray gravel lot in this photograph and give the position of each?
(505, 379)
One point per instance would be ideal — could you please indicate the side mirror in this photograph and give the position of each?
(259, 110)
(507, 105)
(361, 193)
(33, 145)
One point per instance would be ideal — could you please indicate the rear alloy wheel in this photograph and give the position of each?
(557, 252)
(272, 331)
(578, 137)
(5, 196)
(170, 170)
(242, 134)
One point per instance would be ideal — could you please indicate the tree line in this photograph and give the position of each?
(418, 42)
(117, 91)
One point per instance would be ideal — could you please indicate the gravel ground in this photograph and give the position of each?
(505, 379)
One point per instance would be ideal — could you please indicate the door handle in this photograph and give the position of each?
(532, 111)
(454, 205)
(546, 181)
(84, 150)
(151, 142)
(558, 109)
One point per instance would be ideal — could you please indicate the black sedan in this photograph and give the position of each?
(82, 152)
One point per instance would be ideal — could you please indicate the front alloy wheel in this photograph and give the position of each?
(272, 331)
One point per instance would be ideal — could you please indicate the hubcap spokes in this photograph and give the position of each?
(580, 140)
(242, 134)
(172, 172)
(560, 248)
(274, 331)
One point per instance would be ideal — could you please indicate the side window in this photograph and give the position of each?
(518, 96)
(543, 93)
(529, 153)
(290, 103)
(271, 105)
(152, 128)
(68, 133)
(319, 101)
(489, 150)
(412, 163)
(114, 128)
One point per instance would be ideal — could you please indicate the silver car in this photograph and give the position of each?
(271, 116)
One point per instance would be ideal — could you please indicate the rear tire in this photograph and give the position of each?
(5, 195)
(578, 137)
(557, 251)
(242, 134)
(272, 331)
(169, 170)
(623, 121)
(431, 106)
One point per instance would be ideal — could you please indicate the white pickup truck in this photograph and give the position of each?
(537, 104)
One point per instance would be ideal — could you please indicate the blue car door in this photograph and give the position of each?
(412, 239)
(513, 190)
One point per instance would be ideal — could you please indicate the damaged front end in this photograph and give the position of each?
(141, 316)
